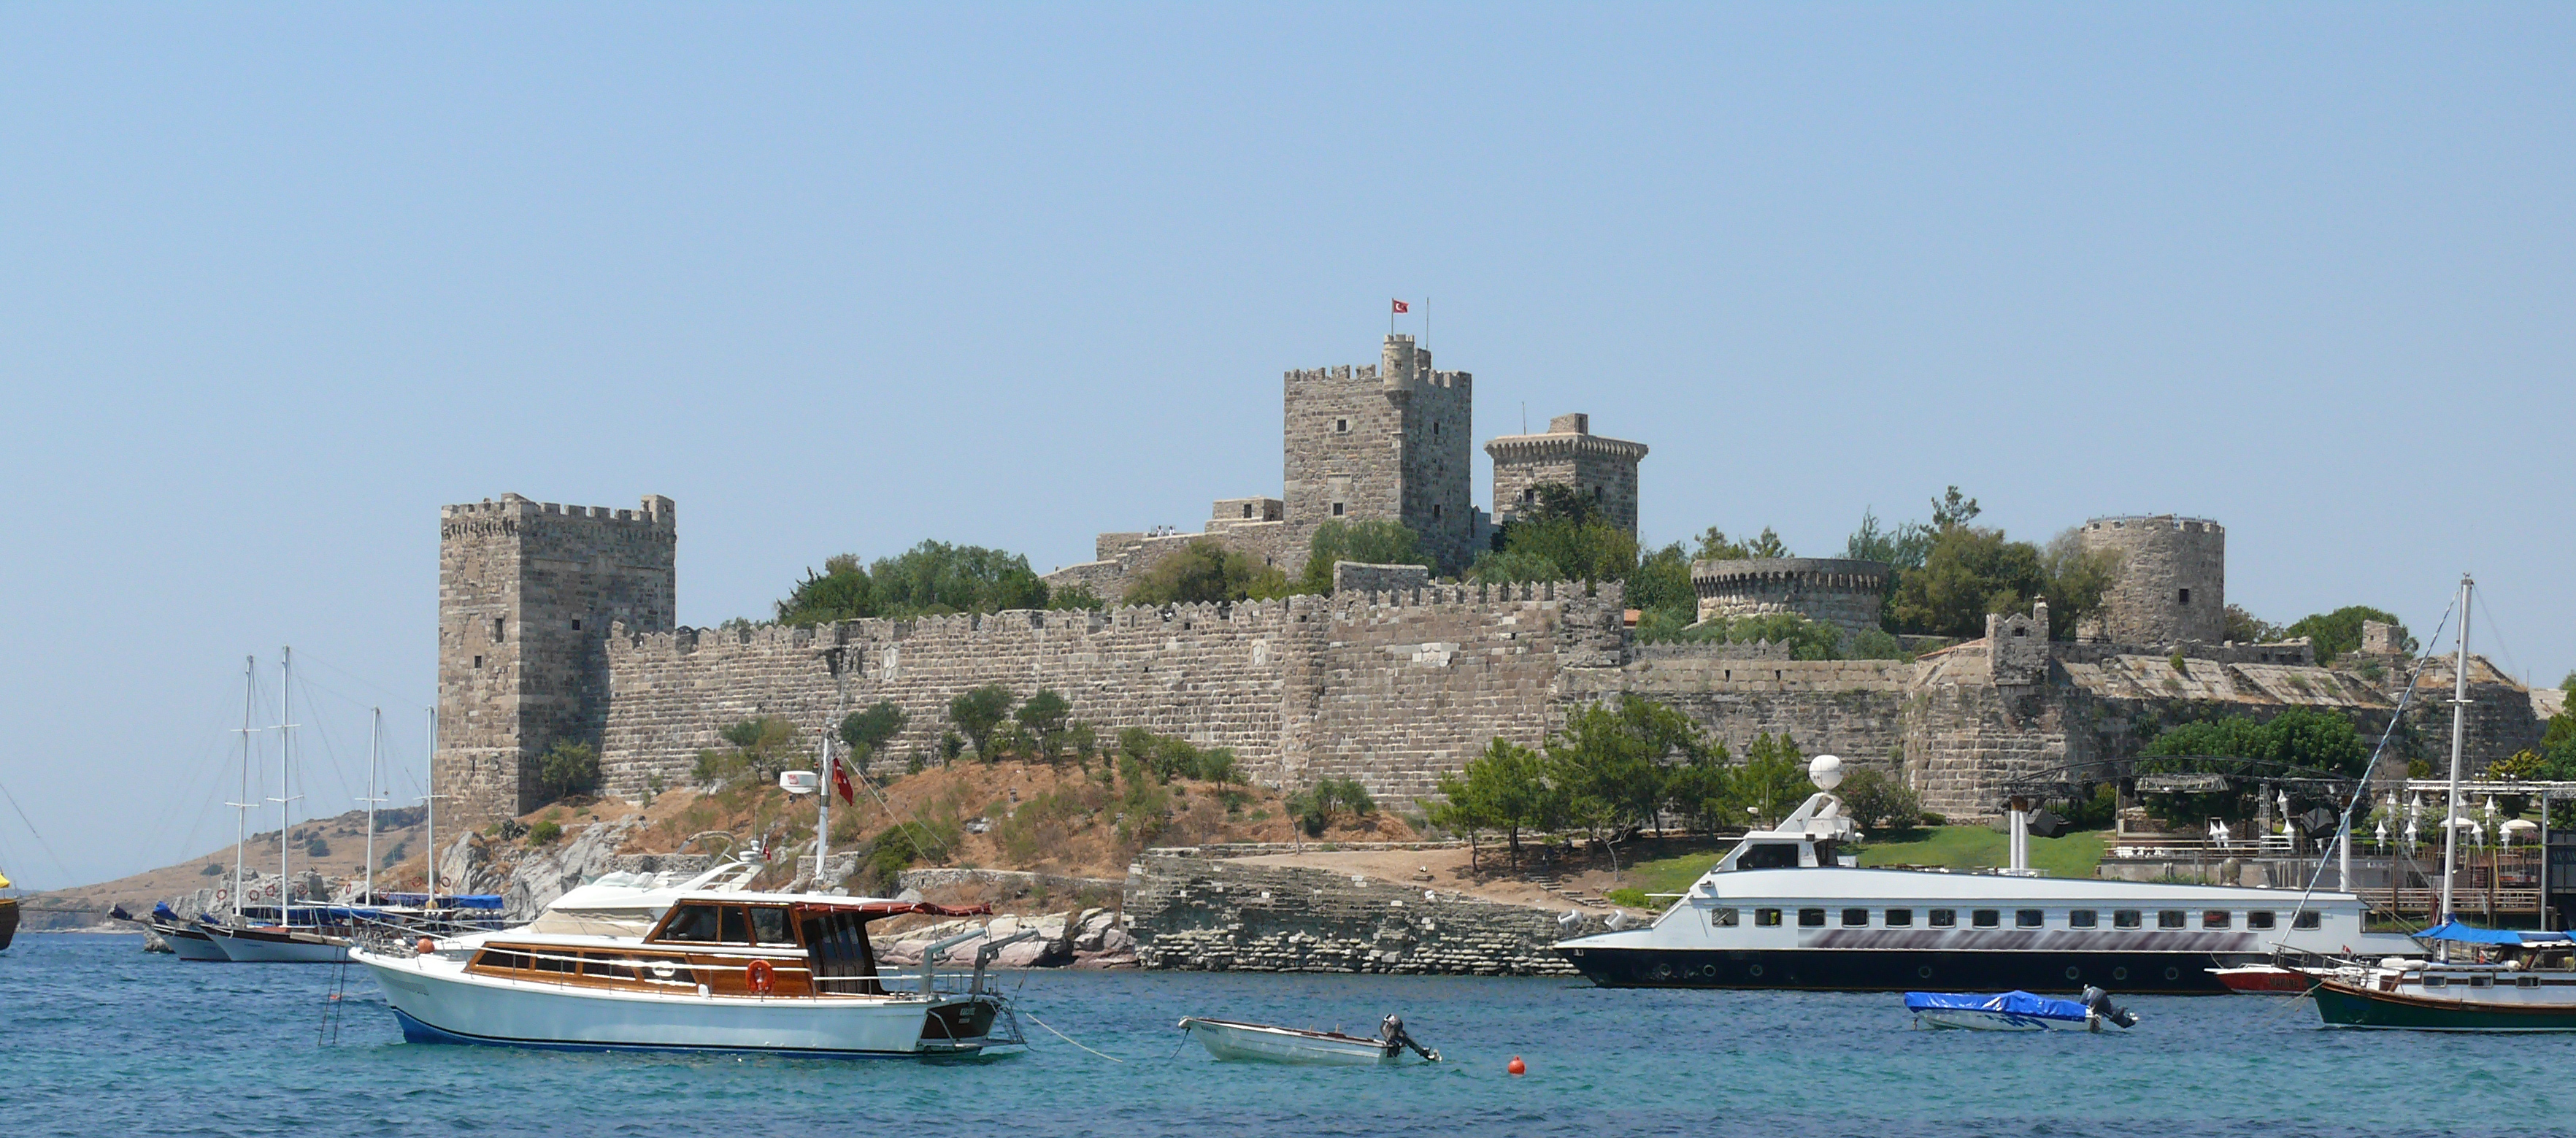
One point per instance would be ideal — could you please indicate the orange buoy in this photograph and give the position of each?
(426, 946)
(761, 976)
(1517, 1067)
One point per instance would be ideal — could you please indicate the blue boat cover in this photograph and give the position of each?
(2458, 933)
(2015, 1002)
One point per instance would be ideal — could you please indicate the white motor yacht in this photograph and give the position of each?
(636, 961)
(1784, 909)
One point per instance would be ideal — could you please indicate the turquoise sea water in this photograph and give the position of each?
(100, 1038)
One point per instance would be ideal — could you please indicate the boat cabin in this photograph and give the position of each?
(720, 946)
(1806, 839)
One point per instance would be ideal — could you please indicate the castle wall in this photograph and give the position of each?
(1842, 593)
(1849, 708)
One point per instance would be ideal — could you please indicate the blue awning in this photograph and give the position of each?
(453, 900)
(2459, 933)
(2009, 1003)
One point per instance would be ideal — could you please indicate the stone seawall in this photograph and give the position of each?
(1199, 914)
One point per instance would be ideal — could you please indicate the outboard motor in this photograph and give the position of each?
(1391, 1030)
(2099, 1003)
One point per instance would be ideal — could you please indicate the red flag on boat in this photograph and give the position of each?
(841, 782)
(1402, 307)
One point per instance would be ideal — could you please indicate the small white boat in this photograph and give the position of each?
(2016, 1011)
(1229, 1039)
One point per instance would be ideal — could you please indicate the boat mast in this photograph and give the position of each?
(285, 770)
(375, 749)
(431, 800)
(241, 809)
(2459, 738)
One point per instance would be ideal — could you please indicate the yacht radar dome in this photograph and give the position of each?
(1826, 772)
(799, 782)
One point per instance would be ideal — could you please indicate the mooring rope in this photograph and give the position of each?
(1033, 1018)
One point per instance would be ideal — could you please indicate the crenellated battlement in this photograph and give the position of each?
(511, 511)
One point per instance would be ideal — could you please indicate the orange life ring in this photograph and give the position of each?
(761, 976)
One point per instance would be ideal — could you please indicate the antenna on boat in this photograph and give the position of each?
(430, 800)
(2459, 739)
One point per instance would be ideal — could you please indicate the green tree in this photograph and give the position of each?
(2334, 633)
(976, 712)
(1075, 597)
(935, 578)
(1661, 591)
(1714, 546)
(1562, 536)
(1507, 789)
(1206, 572)
(1044, 718)
(1773, 781)
(760, 748)
(568, 768)
(1807, 639)
(867, 732)
(1903, 546)
(841, 592)
(1969, 572)
(2299, 736)
(1879, 802)
(1374, 541)
(1610, 763)
(2244, 627)
(2076, 580)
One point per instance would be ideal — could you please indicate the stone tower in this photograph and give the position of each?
(1383, 442)
(526, 594)
(2172, 582)
(1569, 453)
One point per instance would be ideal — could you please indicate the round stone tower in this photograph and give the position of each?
(1832, 591)
(2172, 581)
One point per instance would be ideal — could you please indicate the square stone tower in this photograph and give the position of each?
(526, 594)
(1390, 441)
(1568, 454)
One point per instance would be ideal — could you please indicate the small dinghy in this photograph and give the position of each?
(1228, 1039)
(2017, 1011)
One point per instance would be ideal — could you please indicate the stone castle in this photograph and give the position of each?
(557, 623)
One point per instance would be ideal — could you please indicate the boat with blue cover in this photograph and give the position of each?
(2016, 1011)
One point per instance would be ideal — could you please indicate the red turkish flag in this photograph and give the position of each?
(841, 782)
(1402, 307)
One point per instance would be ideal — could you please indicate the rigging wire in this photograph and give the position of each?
(32, 832)
(2361, 792)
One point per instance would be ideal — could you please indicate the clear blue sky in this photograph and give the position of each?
(275, 283)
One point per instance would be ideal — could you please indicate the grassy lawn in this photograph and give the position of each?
(1951, 847)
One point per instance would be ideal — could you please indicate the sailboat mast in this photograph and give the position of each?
(375, 750)
(241, 809)
(285, 768)
(431, 800)
(2459, 740)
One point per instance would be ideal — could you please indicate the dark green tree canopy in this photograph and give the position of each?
(1206, 572)
(1374, 541)
(2335, 633)
(1561, 537)
(868, 731)
(932, 578)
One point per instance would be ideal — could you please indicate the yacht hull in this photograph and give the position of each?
(190, 944)
(438, 1003)
(8, 921)
(2346, 1005)
(259, 946)
(1879, 970)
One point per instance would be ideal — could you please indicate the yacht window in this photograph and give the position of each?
(2029, 918)
(2258, 920)
(1944, 918)
(1899, 918)
(1986, 918)
(500, 958)
(1855, 918)
(1811, 918)
(1722, 918)
(2125, 919)
(2526, 981)
(597, 966)
(1825, 855)
(737, 930)
(1766, 918)
(1770, 855)
(2171, 918)
(556, 961)
(2482, 980)
(2304, 921)
(2216, 919)
(769, 925)
(2082, 919)
(692, 922)
(2437, 981)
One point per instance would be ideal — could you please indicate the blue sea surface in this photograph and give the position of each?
(100, 1038)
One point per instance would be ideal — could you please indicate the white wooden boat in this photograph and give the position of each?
(1230, 1039)
(639, 963)
(2015, 1011)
